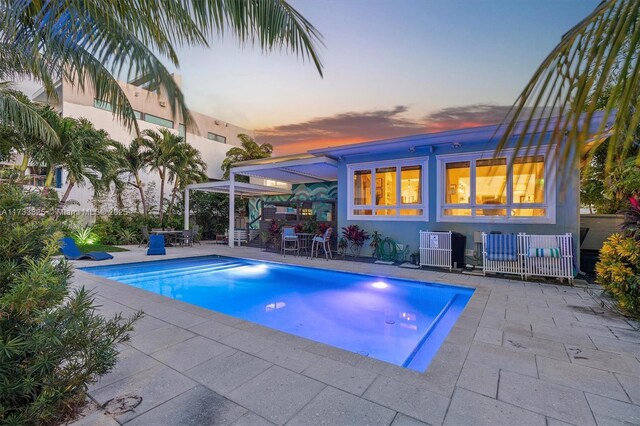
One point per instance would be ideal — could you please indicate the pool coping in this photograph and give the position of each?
(425, 397)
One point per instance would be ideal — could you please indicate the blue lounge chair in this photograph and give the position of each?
(156, 245)
(71, 251)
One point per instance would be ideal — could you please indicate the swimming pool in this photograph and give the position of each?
(399, 321)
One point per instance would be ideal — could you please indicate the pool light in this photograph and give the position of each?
(380, 285)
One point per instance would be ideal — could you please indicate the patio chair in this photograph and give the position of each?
(71, 251)
(145, 236)
(156, 245)
(186, 238)
(289, 236)
(325, 240)
(195, 236)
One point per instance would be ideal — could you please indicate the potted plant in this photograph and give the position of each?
(355, 237)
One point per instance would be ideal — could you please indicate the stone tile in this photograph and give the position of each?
(585, 328)
(469, 407)
(246, 341)
(335, 407)
(479, 378)
(632, 336)
(185, 355)
(213, 329)
(373, 365)
(415, 402)
(130, 361)
(549, 399)
(534, 345)
(148, 323)
(631, 385)
(616, 345)
(521, 318)
(285, 339)
(488, 335)
(290, 358)
(153, 341)
(502, 358)
(403, 420)
(277, 394)
(554, 422)
(563, 335)
(608, 361)
(334, 353)
(580, 377)
(155, 385)
(605, 320)
(252, 419)
(442, 374)
(92, 415)
(608, 410)
(341, 376)
(460, 335)
(226, 372)
(196, 407)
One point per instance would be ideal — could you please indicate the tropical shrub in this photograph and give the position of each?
(376, 242)
(84, 235)
(356, 237)
(618, 269)
(53, 342)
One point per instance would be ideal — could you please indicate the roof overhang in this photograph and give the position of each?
(240, 188)
(300, 169)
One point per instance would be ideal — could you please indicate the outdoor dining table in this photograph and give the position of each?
(168, 233)
(304, 241)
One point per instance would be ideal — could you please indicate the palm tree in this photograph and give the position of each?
(131, 161)
(187, 167)
(83, 152)
(249, 149)
(89, 43)
(16, 110)
(596, 59)
(160, 149)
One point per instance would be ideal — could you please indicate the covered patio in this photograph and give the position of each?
(269, 176)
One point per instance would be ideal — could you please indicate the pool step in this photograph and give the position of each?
(191, 271)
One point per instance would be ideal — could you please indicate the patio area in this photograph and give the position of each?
(521, 353)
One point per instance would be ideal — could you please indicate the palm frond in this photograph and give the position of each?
(596, 59)
(16, 110)
(102, 40)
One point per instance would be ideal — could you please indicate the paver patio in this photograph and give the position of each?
(521, 353)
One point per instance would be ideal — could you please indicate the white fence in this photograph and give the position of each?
(435, 249)
(527, 265)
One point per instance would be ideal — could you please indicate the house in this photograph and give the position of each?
(452, 180)
(211, 136)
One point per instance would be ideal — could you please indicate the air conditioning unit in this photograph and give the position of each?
(163, 103)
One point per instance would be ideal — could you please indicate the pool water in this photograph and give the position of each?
(399, 321)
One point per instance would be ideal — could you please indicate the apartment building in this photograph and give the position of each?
(211, 136)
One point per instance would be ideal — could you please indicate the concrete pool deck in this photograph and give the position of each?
(522, 353)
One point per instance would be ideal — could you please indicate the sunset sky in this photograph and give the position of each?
(392, 67)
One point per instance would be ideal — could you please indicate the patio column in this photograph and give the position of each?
(232, 208)
(186, 208)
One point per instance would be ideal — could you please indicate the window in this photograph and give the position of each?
(182, 131)
(137, 114)
(100, 104)
(158, 120)
(383, 189)
(216, 137)
(503, 189)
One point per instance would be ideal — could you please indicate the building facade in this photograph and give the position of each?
(211, 136)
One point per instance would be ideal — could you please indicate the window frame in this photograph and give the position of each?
(398, 164)
(216, 137)
(145, 117)
(510, 154)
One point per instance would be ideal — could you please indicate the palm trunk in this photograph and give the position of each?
(173, 198)
(63, 200)
(24, 164)
(141, 191)
(48, 181)
(162, 195)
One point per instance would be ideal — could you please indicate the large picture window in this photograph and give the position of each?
(503, 189)
(382, 189)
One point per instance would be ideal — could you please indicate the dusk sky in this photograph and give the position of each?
(392, 68)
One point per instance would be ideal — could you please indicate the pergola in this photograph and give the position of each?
(293, 169)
